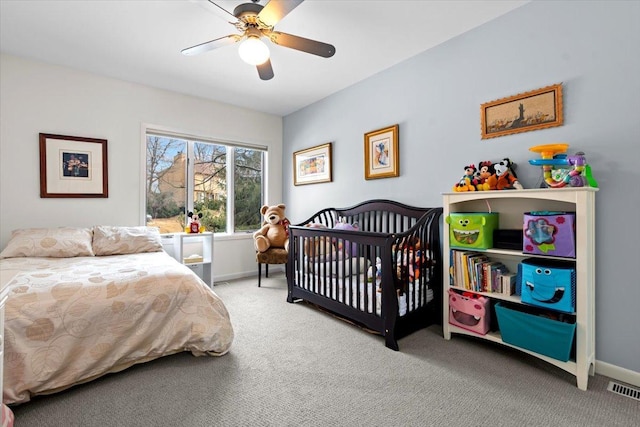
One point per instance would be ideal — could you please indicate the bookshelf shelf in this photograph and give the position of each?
(511, 206)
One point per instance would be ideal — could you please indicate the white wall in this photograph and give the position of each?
(590, 46)
(37, 98)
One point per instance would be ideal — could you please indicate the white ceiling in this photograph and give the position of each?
(140, 41)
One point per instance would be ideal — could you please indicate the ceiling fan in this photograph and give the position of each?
(255, 21)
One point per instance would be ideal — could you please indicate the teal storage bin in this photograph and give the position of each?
(473, 230)
(542, 335)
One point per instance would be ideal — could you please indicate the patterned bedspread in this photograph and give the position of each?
(71, 320)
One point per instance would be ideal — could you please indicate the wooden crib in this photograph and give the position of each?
(384, 276)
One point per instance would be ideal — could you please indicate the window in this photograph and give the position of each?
(207, 177)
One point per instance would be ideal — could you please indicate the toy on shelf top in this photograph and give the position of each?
(194, 225)
(559, 169)
(468, 181)
(491, 176)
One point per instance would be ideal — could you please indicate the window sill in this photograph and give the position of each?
(235, 236)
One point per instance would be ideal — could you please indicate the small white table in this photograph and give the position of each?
(195, 250)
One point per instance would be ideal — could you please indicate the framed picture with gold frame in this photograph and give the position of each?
(537, 109)
(312, 165)
(381, 155)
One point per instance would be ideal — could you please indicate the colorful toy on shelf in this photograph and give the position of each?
(468, 180)
(559, 169)
(504, 177)
(483, 174)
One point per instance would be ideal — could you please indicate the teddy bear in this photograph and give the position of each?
(274, 232)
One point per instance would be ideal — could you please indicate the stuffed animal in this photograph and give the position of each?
(274, 232)
(350, 250)
(504, 177)
(467, 182)
(194, 223)
(319, 247)
(375, 273)
(483, 174)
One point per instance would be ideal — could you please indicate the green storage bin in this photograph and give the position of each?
(550, 337)
(472, 230)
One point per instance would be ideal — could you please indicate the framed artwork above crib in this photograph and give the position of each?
(312, 165)
(73, 167)
(381, 156)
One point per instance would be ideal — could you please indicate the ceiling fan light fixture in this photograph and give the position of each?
(253, 51)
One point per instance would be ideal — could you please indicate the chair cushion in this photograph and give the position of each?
(273, 256)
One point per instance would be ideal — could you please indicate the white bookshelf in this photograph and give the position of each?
(511, 206)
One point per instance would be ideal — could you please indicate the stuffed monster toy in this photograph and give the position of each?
(274, 232)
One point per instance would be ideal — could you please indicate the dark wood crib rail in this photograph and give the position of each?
(388, 230)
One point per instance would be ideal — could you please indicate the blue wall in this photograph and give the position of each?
(591, 47)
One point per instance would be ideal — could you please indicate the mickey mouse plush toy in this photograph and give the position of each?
(194, 222)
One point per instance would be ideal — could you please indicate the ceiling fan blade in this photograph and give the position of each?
(223, 13)
(265, 71)
(300, 43)
(275, 10)
(210, 45)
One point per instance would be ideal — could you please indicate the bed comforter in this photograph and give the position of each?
(71, 320)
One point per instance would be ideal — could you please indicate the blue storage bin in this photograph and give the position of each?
(542, 335)
(549, 284)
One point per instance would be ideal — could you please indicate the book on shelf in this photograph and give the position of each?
(476, 272)
(509, 284)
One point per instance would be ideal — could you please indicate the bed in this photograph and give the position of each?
(377, 264)
(86, 302)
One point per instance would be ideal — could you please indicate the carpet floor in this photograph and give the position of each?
(294, 365)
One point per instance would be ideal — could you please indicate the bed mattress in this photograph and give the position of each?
(70, 320)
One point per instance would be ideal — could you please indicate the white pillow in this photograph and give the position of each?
(108, 240)
(62, 242)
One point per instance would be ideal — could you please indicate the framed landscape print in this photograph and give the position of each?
(72, 166)
(312, 165)
(381, 156)
(537, 109)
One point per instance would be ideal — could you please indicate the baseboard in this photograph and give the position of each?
(617, 373)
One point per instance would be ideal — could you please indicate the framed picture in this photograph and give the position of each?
(538, 109)
(381, 156)
(312, 165)
(72, 166)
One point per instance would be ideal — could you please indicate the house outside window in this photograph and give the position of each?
(206, 177)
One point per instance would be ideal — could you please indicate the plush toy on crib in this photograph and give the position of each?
(375, 273)
(349, 250)
(194, 223)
